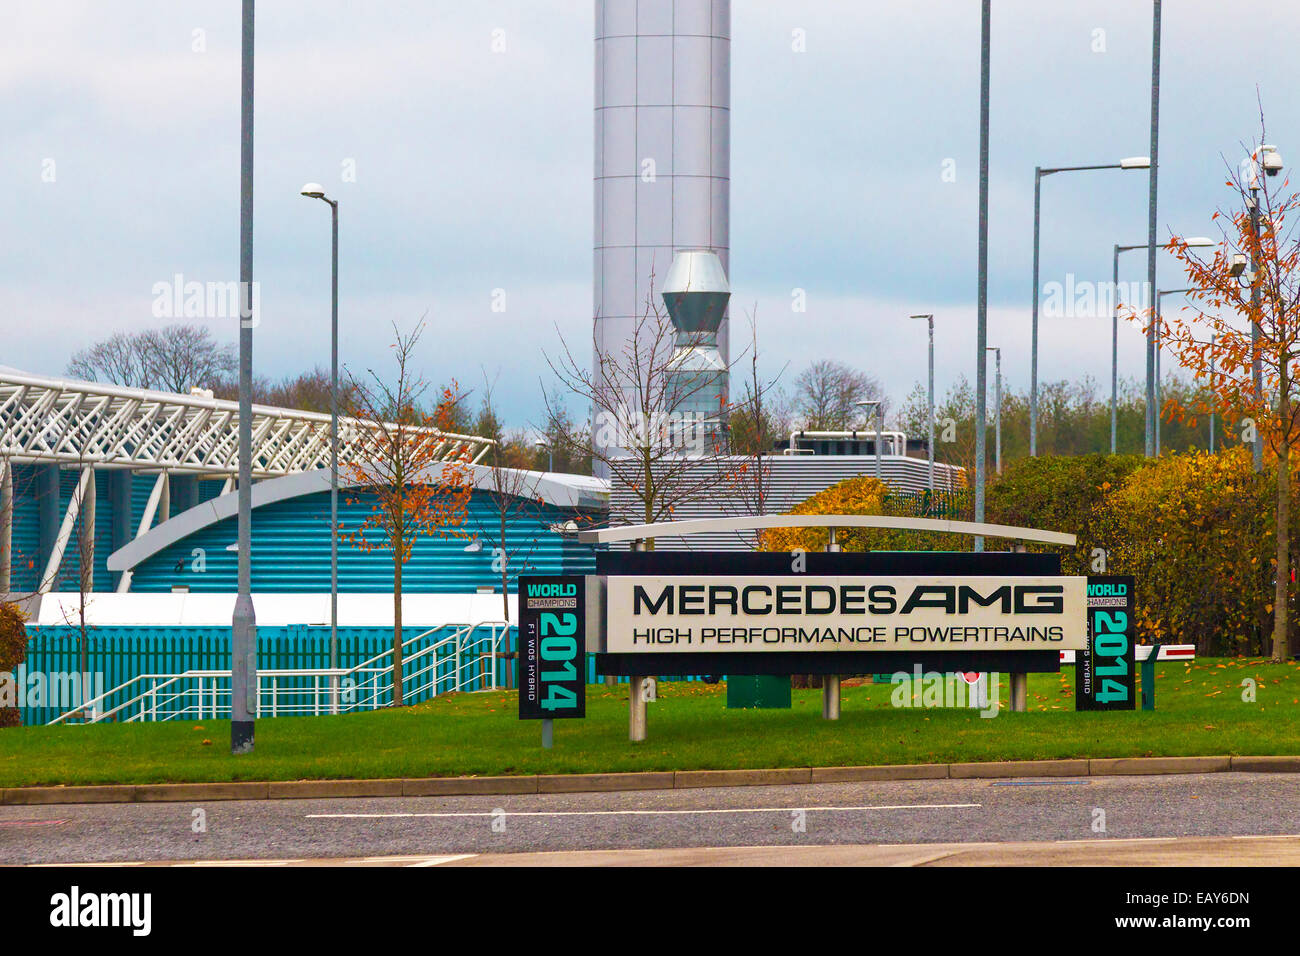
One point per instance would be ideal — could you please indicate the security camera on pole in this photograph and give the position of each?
(1270, 159)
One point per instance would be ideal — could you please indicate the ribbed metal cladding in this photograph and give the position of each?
(27, 565)
(27, 530)
(291, 552)
(789, 481)
(662, 152)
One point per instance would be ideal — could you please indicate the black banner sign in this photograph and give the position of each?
(1104, 672)
(552, 647)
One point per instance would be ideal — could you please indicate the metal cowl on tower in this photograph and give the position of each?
(695, 293)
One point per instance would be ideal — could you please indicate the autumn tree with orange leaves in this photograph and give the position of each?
(409, 467)
(1240, 336)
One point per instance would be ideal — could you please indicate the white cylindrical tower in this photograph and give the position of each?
(662, 152)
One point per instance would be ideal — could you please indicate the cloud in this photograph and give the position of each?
(473, 169)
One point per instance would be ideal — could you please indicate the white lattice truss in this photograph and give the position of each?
(56, 421)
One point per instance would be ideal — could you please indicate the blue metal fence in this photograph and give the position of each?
(116, 655)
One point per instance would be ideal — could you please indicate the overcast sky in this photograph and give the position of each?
(473, 172)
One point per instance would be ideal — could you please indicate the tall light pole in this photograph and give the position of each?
(982, 297)
(997, 407)
(1133, 162)
(550, 453)
(1151, 222)
(243, 622)
(1268, 156)
(929, 317)
(1195, 242)
(1214, 339)
(1160, 294)
(880, 428)
(314, 191)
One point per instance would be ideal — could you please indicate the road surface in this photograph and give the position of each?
(1178, 819)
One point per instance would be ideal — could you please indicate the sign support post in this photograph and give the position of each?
(636, 708)
(548, 733)
(1019, 692)
(831, 682)
(1149, 679)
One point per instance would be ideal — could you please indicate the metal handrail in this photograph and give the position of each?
(164, 691)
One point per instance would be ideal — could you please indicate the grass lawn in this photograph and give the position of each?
(1201, 711)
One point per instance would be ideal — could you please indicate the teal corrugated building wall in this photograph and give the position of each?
(291, 551)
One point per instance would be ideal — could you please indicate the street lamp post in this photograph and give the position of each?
(929, 317)
(880, 429)
(550, 453)
(1213, 341)
(1133, 162)
(982, 296)
(314, 191)
(1160, 294)
(997, 408)
(1151, 220)
(243, 621)
(1196, 242)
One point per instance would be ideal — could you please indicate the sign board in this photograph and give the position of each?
(838, 612)
(1104, 670)
(552, 647)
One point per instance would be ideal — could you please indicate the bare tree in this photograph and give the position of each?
(826, 393)
(118, 360)
(180, 357)
(175, 358)
(757, 421)
(650, 431)
(400, 466)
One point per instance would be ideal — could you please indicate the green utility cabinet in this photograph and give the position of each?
(760, 691)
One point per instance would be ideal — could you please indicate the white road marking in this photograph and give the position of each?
(238, 863)
(628, 813)
(1270, 836)
(440, 860)
(917, 846)
(925, 859)
(1123, 840)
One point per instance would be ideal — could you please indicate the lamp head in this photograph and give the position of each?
(1135, 162)
(313, 191)
(1271, 160)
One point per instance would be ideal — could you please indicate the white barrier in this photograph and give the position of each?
(1168, 652)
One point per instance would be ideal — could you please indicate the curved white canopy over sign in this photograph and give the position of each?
(670, 529)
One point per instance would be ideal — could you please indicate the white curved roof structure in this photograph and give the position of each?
(561, 490)
(65, 421)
